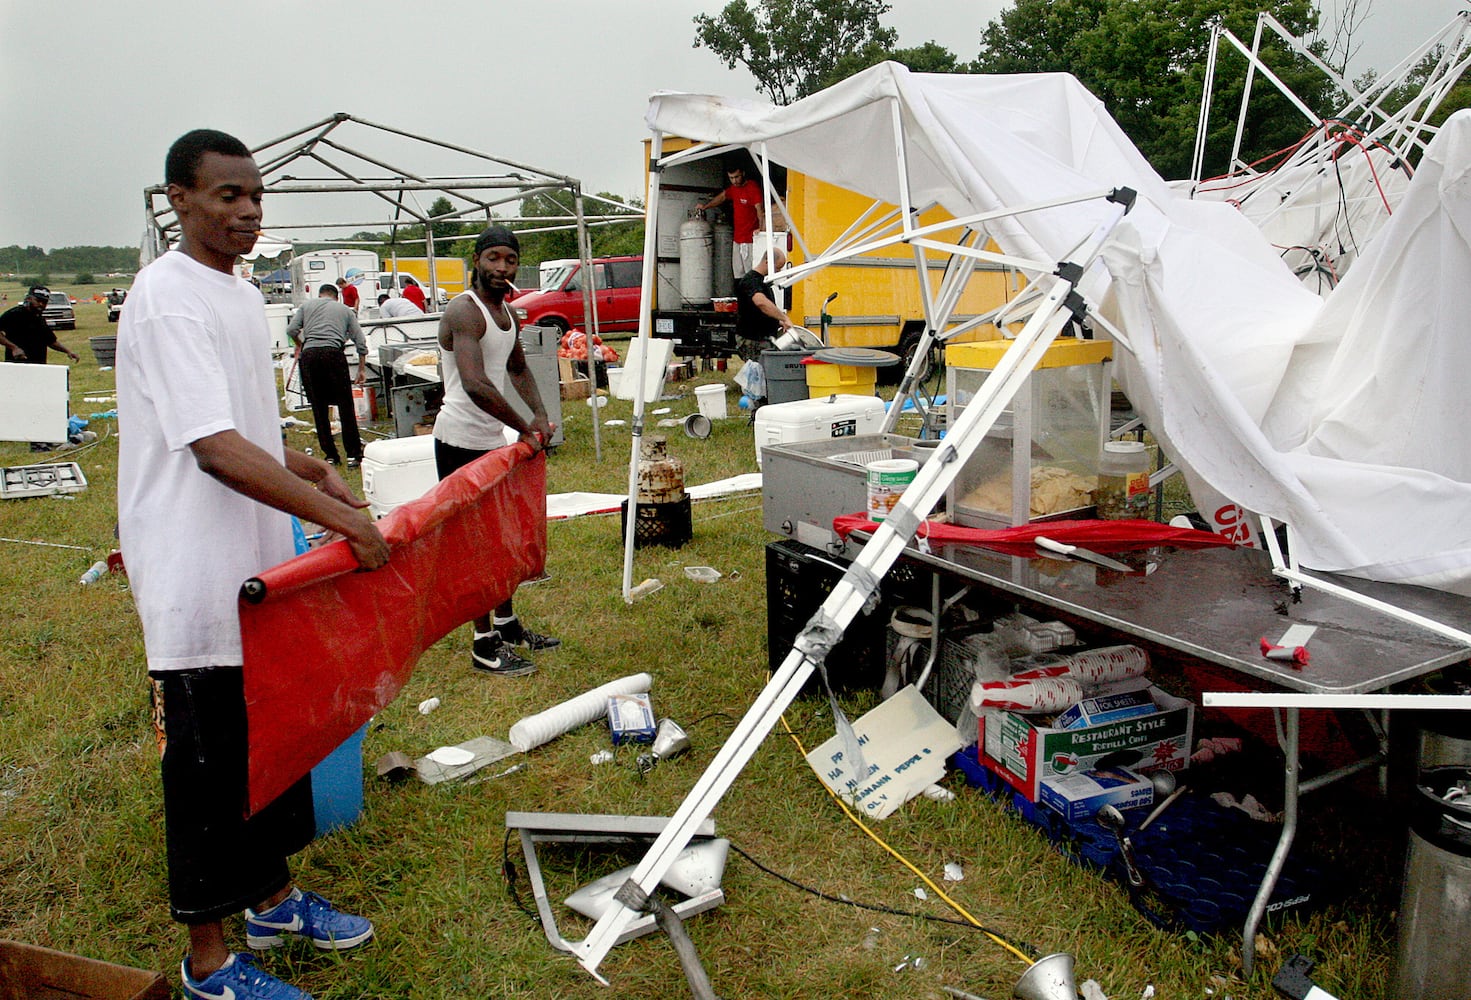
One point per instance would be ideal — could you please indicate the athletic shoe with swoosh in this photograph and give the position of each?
(238, 979)
(307, 915)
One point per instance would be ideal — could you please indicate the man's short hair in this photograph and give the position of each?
(181, 166)
(341, 282)
(382, 297)
(328, 289)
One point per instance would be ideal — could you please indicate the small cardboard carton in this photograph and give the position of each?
(1025, 753)
(28, 972)
(1105, 708)
(1079, 796)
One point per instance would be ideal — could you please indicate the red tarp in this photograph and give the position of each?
(1096, 536)
(327, 647)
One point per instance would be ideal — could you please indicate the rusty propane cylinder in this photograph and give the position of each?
(660, 477)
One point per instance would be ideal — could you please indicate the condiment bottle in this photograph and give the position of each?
(1123, 481)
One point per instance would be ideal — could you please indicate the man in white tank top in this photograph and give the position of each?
(482, 360)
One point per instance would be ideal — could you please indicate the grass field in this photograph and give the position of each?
(81, 857)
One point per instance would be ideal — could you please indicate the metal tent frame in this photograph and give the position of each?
(361, 158)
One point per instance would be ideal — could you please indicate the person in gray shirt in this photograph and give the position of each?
(321, 330)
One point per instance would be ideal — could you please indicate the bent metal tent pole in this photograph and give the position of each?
(645, 321)
(825, 628)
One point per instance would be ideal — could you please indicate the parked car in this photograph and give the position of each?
(559, 302)
(59, 312)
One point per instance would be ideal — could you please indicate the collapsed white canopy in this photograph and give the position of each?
(1339, 420)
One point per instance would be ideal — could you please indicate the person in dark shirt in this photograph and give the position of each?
(758, 317)
(24, 332)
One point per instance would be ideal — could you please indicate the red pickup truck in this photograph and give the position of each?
(559, 302)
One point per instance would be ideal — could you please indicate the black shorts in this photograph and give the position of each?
(219, 861)
(448, 458)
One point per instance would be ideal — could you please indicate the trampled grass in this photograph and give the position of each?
(81, 854)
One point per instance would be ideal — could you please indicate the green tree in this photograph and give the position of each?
(931, 57)
(790, 46)
(1145, 60)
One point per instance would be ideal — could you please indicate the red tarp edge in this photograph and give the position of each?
(328, 647)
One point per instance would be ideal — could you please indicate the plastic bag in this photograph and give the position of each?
(751, 379)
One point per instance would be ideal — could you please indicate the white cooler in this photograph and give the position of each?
(836, 416)
(397, 470)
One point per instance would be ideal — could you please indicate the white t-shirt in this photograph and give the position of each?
(461, 423)
(193, 359)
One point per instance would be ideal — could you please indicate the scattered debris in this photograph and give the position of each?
(953, 872)
(601, 757)
(919, 892)
(449, 763)
(428, 705)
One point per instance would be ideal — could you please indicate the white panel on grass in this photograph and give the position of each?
(33, 402)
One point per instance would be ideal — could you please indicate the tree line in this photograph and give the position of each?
(69, 261)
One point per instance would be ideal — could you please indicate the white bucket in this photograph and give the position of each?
(712, 400)
(887, 479)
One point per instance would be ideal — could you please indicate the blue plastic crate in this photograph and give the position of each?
(1203, 861)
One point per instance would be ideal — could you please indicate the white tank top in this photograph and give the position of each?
(460, 422)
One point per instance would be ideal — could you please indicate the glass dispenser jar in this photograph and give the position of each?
(1123, 481)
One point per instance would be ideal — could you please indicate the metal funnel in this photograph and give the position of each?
(669, 740)
(1049, 978)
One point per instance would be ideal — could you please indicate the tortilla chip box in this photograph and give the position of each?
(1024, 753)
(1080, 794)
(28, 972)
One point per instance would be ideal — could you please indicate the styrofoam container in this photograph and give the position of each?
(817, 420)
(398, 470)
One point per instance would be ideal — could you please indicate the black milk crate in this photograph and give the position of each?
(798, 579)
(667, 524)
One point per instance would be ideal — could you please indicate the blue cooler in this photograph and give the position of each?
(337, 785)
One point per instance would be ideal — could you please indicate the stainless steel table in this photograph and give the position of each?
(1215, 605)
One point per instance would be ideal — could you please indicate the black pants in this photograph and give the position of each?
(219, 861)
(325, 378)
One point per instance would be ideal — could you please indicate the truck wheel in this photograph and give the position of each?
(908, 344)
(556, 323)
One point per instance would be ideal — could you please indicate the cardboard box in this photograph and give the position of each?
(1024, 753)
(578, 388)
(28, 972)
(1079, 795)
(1106, 708)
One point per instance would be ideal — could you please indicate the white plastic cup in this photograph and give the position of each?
(711, 399)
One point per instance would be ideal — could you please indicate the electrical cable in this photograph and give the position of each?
(1035, 952)
(508, 870)
(906, 862)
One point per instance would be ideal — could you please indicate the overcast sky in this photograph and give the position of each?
(95, 90)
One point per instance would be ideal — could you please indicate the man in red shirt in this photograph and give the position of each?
(349, 294)
(744, 196)
(415, 294)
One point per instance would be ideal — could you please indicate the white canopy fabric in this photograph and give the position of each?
(1339, 419)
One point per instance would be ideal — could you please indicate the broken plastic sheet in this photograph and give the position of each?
(327, 647)
(1097, 536)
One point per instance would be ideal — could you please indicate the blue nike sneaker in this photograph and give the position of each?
(307, 915)
(238, 979)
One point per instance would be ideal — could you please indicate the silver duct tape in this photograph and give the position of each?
(863, 581)
(904, 520)
(818, 638)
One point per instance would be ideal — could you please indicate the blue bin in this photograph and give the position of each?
(337, 785)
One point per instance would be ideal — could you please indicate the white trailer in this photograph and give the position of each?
(312, 270)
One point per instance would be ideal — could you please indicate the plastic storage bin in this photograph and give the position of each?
(337, 785)
(824, 379)
(397, 470)
(817, 420)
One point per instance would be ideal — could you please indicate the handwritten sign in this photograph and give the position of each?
(905, 743)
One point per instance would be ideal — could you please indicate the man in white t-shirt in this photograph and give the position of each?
(206, 488)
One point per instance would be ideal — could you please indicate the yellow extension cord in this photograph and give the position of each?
(901, 858)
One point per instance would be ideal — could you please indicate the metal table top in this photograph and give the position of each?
(1218, 604)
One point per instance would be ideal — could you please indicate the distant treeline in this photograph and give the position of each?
(68, 260)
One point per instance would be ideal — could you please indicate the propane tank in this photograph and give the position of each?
(694, 261)
(723, 285)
